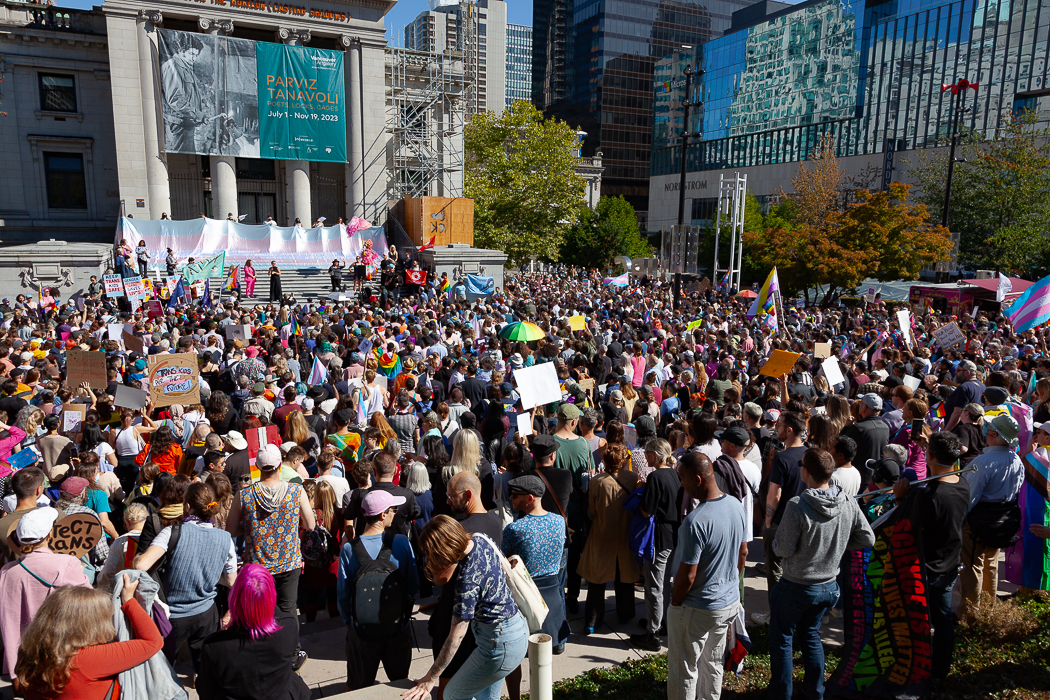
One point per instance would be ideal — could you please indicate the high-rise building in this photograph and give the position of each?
(600, 56)
(519, 63)
(478, 28)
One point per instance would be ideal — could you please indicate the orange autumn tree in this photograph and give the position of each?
(838, 236)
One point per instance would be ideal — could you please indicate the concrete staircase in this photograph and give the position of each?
(309, 284)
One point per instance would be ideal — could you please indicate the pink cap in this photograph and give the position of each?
(377, 502)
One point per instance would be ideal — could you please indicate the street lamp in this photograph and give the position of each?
(686, 104)
(958, 90)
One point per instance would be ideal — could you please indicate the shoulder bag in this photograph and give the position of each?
(526, 594)
(569, 532)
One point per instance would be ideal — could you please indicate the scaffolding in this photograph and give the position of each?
(426, 109)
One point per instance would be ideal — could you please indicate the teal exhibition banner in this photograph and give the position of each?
(223, 96)
(301, 108)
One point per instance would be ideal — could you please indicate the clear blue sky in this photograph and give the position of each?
(518, 12)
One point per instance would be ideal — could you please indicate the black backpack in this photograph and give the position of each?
(380, 604)
(995, 524)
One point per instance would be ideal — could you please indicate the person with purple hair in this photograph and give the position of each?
(252, 659)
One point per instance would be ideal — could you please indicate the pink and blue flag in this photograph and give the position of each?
(1028, 561)
(1031, 308)
(318, 374)
(620, 281)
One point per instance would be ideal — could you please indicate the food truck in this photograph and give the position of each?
(960, 297)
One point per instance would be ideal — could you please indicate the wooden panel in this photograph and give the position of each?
(446, 220)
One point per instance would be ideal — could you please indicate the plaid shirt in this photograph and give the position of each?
(101, 550)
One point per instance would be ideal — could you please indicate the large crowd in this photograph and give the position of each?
(368, 461)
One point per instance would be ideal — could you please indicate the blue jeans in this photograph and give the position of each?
(796, 605)
(501, 649)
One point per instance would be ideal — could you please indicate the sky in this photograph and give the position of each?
(518, 12)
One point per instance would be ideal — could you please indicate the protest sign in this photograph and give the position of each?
(577, 323)
(115, 331)
(832, 371)
(173, 379)
(586, 384)
(127, 397)
(134, 288)
(242, 333)
(132, 343)
(904, 321)
(949, 335)
(524, 424)
(257, 437)
(86, 366)
(779, 363)
(538, 385)
(76, 534)
(23, 458)
(154, 309)
(113, 285)
(73, 415)
(821, 350)
(912, 383)
(887, 649)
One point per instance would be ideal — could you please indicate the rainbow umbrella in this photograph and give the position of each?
(523, 330)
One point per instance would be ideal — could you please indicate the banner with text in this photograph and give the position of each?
(223, 96)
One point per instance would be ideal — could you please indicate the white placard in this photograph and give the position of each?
(115, 331)
(524, 424)
(911, 382)
(832, 371)
(904, 321)
(538, 385)
(949, 335)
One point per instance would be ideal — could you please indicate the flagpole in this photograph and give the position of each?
(917, 482)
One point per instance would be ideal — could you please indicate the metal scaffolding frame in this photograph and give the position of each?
(426, 112)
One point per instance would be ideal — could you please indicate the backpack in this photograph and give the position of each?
(380, 604)
(995, 524)
(641, 535)
(320, 548)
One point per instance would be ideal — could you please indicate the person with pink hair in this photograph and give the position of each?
(252, 659)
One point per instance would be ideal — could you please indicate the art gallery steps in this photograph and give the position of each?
(309, 284)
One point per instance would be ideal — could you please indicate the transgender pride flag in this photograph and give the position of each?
(1031, 308)
(1028, 561)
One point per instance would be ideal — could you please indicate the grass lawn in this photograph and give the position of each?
(1003, 655)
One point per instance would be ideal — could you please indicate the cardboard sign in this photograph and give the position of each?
(242, 333)
(779, 363)
(538, 385)
(911, 382)
(949, 335)
(174, 379)
(72, 416)
(128, 397)
(904, 321)
(154, 309)
(524, 424)
(821, 350)
(134, 288)
(832, 372)
(270, 435)
(113, 285)
(86, 366)
(132, 343)
(76, 534)
(577, 323)
(586, 384)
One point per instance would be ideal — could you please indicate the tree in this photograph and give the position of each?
(520, 171)
(825, 233)
(602, 234)
(1000, 194)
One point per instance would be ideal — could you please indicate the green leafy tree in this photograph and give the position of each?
(1000, 194)
(602, 234)
(520, 172)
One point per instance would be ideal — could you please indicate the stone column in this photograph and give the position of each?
(297, 172)
(157, 187)
(355, 172)
(223, 168)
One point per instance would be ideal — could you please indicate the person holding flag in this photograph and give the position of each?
(231, 280)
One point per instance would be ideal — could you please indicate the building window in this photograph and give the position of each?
(66, 188)
(58, 93)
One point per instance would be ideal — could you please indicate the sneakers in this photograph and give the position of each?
(587, 631)
(760, 618)
(836, 613)
(300, 659)
(558, 649)
(646, 641)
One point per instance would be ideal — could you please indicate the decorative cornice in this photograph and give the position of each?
(288, 35)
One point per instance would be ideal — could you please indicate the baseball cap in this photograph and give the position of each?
(377, 502)
(735, 435)
(872, 401)
(35, 526)
(543, 446)
(529, 484)
(884, 470)
(771, 415)
(966, 365)
(73, 486)
(567, 411)
(269, 458)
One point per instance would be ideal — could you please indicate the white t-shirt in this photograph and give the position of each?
(340, 485)
(162, 538)
(103, 450)
(848, 479)
(128, 443)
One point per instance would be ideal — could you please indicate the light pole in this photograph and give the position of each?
(687, 103)
(958, 91)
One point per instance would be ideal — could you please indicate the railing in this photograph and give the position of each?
(52, 18)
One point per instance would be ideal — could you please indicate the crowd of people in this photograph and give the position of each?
(368, 461)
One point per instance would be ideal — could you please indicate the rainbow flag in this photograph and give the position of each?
(296, 328)
(1032, 308)
(231, 279)
(1028, 561)
(446, 286)
(939, 411)
(389, 365)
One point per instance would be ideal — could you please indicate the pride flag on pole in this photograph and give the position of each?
(231, 278)
(318, 374)
(1032, 308)
(764, 303)
(620, 281)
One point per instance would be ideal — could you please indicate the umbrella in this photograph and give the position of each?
(748, 293)
(523, 330)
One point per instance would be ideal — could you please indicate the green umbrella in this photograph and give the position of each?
(523, 330)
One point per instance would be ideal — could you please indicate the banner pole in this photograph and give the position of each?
(917, 482)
